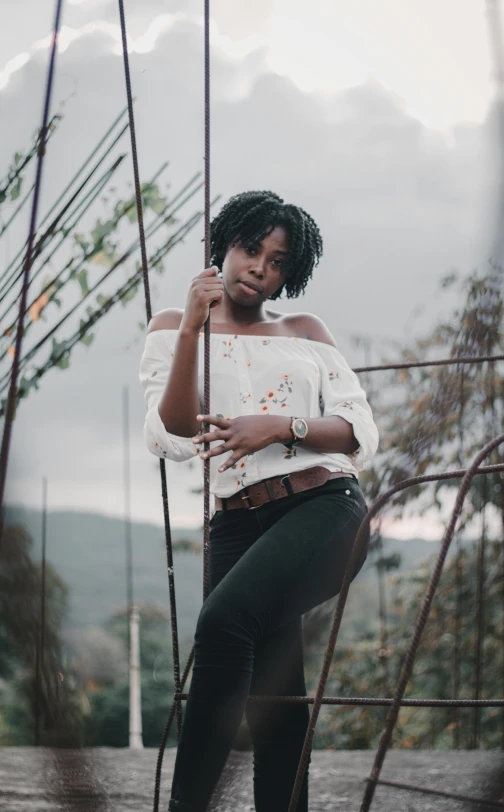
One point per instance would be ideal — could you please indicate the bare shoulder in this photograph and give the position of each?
(312, 327)
(168, 319)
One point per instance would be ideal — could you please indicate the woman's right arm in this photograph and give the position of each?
(169, 371)
(180, 402)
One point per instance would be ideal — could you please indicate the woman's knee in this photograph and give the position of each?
(226, 621)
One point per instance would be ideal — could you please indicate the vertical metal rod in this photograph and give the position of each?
(127, 501)
(456, 643)
(12, 394)
(458, 576)
(40, 644)
(480, 619)
(501, 494)
(382, 601)
(206, 377)
(135, 689)
(135, 716)
(494, 20)
(382, 609)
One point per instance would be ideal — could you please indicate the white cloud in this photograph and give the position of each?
(11, 67)
(434, 56)
(396, 205)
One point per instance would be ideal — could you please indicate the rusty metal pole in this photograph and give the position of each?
(480, 621)
(40, 643)
(458, 579)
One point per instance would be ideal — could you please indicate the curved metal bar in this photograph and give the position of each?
(357, 550)
(422, 620)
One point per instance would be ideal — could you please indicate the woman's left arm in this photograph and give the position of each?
(332, 434)
(346, 424)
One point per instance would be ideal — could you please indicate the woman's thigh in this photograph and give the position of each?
(232, 534)
(296, 563)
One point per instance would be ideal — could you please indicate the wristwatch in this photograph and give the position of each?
(299, 430)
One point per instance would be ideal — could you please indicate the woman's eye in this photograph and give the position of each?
(280, 264)
(250, 249)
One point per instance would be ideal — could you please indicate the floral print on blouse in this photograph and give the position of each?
(251, 375)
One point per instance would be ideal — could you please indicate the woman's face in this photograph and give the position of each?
(253, 272)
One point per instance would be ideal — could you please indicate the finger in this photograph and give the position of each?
(232, 460)
(209, 437)
(214, 452)
(220, 422)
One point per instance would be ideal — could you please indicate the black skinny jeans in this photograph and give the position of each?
(267, 568)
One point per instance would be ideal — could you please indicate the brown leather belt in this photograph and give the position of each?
(268, 490)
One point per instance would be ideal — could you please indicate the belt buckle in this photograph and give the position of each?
(249, 506)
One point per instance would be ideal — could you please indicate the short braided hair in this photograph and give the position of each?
(250, 216)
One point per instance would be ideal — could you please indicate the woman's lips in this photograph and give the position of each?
(247, 288)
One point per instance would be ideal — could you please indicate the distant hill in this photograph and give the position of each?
(87, 550)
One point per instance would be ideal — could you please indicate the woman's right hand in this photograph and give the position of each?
(205, 291)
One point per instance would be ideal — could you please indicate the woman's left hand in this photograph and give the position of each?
(241, 435)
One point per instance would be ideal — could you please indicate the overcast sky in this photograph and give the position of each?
(375, 117)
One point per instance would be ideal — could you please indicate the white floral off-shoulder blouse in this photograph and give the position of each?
(253, 374)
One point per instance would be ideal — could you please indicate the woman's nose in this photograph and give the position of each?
(259, 265)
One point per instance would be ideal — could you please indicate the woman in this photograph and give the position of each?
(289, 430)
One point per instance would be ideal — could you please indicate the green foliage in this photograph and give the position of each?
(438, 418)
(12, 184)
(59, 354)
(82, 279)
(85, 339)
(108, 721)
(366, 670)
(20, 636)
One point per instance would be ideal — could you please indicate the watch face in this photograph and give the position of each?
(300, 428)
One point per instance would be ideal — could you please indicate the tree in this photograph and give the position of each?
(108, 719)
(20, 637)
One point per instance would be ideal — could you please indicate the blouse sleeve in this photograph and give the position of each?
(342, 395)
(154, 370)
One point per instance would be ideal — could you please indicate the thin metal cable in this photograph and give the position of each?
(51, 231)
(11, 397)
(128, 286)
(160, 220)
(87, 202)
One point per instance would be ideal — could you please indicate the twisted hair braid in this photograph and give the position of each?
(250, 216)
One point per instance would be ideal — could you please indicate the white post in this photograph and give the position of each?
(135, 717)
